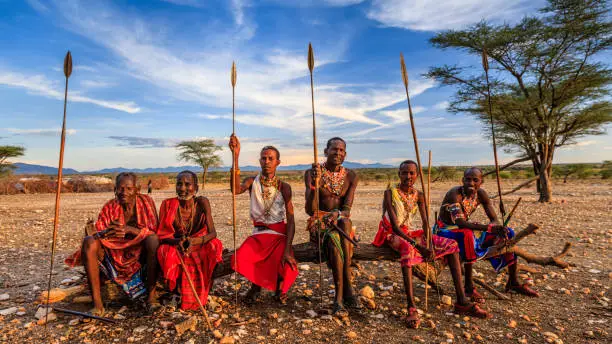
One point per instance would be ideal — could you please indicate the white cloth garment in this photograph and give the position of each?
(276, 212)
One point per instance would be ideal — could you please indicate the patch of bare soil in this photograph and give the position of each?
(574, 306)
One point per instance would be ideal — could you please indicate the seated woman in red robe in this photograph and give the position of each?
(186, 228)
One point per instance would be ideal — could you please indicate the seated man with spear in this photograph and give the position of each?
(397, 230)
(266, 258)
(188, 242)
(336, 193)
(125, 242)
(475, 239)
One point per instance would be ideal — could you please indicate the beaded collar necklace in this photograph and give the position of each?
(333, 181)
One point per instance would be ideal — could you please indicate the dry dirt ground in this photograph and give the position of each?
(574, 306)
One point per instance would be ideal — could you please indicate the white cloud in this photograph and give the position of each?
(95, 84)
(40, 132)
(425, 15)
(441, 105)
(38, 84)
(272, 83)
(37, 5)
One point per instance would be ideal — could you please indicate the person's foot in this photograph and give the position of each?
(99, 312)
(413, 320)
(471, 309)
(475, 296)
(521, 289)
(352, 302)
(339, 311)
(251, 296)
(281, 297)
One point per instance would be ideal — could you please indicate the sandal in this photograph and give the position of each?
(251, 297)
(471, 309)
(475, 296)
(353, 302)
(282, 298)
(339, 310)
(521, 289)
(413, 320)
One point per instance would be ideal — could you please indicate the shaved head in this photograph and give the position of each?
(473, 170)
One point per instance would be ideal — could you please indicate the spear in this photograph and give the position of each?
(427, 237)
(418, 156)
(58, 191)
(233, 80)
(485, 66)
(311, 63)
(194, 291)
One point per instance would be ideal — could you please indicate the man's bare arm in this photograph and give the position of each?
(310, 193)
(455, 197)
(288, 256)
(484, 199)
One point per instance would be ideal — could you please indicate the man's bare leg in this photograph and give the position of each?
(469, 284)
(336, 264)
(454, 264)
(349, 299)
(90, 250)
(150, 245)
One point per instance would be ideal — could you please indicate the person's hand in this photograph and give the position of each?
(288, 259)
(116, 232)
(500, 231)
(332, 218)
(234, 144)
(315, 173)
(173, 241)
(427, 254)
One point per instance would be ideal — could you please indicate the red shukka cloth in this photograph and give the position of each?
(260, 256)
(124, 252)
(200, 262)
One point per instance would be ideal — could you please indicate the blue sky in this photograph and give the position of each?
(148, 74)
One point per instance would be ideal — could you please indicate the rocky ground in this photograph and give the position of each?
(574, 306)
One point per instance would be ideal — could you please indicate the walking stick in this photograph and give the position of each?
(316, 190)
(485, 66)
(233, 177)
(193, 290)
(427, 235)
(418, 157)
(58, 191)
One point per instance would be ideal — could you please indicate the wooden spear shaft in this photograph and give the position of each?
(234, 166)
(485, 66)
(58, 191)
(427, 236)
(194, 291)
(316, 154)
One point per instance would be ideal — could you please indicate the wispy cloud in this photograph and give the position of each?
(425, 15)
(37, 5)
(272, 83)
(40, 132)
(144, 142)
(96, 84)
(38, 84)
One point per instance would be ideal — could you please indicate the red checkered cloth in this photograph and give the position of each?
(125, 252)
(200, 263)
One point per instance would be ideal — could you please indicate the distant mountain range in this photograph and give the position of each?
(39, 169)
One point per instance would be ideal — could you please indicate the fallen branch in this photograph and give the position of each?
(490, 289)
(511, 163)
(543, 260)
(522, 185)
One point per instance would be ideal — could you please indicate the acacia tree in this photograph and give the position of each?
(549, 84)
(7, 152)
(202, 153)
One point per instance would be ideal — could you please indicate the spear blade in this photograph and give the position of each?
(233, 78)
(68, 64)
(404, 72)
(485, 60)
(310, 58)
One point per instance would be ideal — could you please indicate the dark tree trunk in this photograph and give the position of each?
(545, 185)
(204, 177)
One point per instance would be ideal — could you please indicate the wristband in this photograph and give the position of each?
(490, 227)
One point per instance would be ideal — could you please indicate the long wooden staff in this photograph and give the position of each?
(58, 191)
(233, 80)
(485, 66)
(418, 156)
(427, 236)
(311, 63)
(193, 290)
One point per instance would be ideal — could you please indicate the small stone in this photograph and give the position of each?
(512, 324)
(467, 335)
(306, 332)
(9, 311)
(586, 290)
(227, 340)
(369, 303)
(49, 318)
(82, 299)
(589, 334)
(351, 335)
(522, 340)
(166, 324)
(448, 335)
(140, 329)
(74, 322)
(446, 300)
(550, 335)
(4, 297)
(311, 313)
(187, 325)
(594, 271)
(367, 292)
(272, 331)
(304, 267)
(308, 292)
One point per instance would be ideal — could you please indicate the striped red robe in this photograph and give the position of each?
(125, 253)
(200, 262)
